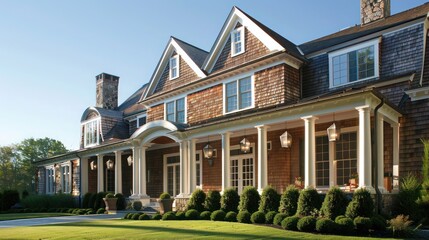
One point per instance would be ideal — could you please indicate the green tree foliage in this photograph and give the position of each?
(8, 171)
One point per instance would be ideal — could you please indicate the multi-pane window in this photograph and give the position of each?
(65, 178)
(357, 64)
(141, 120)
(238, 94)
(174, 66)
(175, 111)
(198, 170)
(173, 175)
(91, 136)
(50, 180)
(346, 156)
(237, 41)
(322, 161)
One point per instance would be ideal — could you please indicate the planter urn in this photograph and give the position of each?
(110, 203)
(165, 205)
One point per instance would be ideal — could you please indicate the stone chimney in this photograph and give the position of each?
(372, 10)
(107, 91)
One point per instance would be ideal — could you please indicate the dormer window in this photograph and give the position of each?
(354, 64)
(91, 133)
(237, 41)
(174, 67)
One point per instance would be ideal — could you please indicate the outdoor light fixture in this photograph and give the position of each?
(244, 145)
(130, 160)
(333, 132)
(93, 165)
(110, 164)
(208, 152)
(286, 140)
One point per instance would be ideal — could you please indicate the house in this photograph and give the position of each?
(260, 110)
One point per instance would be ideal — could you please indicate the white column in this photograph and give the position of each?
(332, 165)
(310, 151)
(395, 128)
(380, 153)
(225, 161)
(83, 176)
(192, 174)
(364, 152)
(100, 173)
(136, 153)
(142, 172)
(118, 172)
(183, 167)
(262, 157)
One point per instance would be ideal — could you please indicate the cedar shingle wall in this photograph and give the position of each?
(155, 113)
(205, 104)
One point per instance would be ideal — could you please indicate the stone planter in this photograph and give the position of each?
(165, 205)
(110, 203)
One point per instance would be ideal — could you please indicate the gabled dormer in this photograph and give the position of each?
(179, 65)
(243, 39)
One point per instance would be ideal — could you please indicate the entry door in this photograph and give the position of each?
(173, 175)
(242, 172)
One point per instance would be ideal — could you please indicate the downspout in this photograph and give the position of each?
(80, 179)
(375, 160)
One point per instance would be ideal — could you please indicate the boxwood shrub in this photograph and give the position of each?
(269, 217)
(270, 200)
(101, 211)
(361, 205)
(308, 201)
(169, 216)
(289, 201)
(180, 216)
(137, 205)
(345, 225)
(306, 224)
(144, 216)
(229, 200)
(197, 200)
(156, 216)
(378, 222)
(212, 202)
(136, 216)
(120, 203)
(290, 223)
(243, 217)
(279, 218)
(326, 225)
(231, 217)
(85, 201)
(218, 215)
(335, 203)
(249, 200)
(258, 217)
(205, 215)
(99, 202)
(362, 224)
(192, 214)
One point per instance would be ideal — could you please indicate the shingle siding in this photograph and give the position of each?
(316, 76)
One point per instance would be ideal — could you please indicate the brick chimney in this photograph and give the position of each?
(107, 91)
(372, 10)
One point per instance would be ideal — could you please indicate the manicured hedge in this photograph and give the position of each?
(290, 223)
(270, 200)
(230, 200)
(289, 201)
(249, 200)
(212, 202)
(197, 200)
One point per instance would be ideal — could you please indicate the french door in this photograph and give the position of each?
(173, 175)
(242, 172)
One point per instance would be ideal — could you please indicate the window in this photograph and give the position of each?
(354, 64)
(91, 133)
(174, 67)
(198, 170)
(141, 120)
(65, 178)
(346, 157)
(322, 161)
(238, 95)
(237, 41)
(172, 174)
(175, 111)
(50, 180)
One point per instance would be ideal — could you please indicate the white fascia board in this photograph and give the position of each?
(418, 93)
(187, 59)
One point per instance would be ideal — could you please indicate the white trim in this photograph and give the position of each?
(185, 102)
(241, 30)
(69, 185)
(98, 131)
(252, 94)
(418, 93)
(201, 162)
(50, 168)
(177, 58)
(331, 55)
(138, 119)
(241, 157)
(165, 165)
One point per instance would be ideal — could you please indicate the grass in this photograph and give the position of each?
(14, 216)
(126, 229)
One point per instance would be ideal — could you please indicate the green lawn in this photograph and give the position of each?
(13, 216)
(129, 229)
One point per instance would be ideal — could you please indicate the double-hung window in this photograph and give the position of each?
(237, 41)
(175, 111)
(141, 120)
(354, 64)
(174, 67)
(65, 178)
(91, 133)
(238, 95)
(50, 180)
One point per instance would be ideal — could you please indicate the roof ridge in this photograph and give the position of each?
(191, 45)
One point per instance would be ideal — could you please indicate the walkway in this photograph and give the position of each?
(56, 220)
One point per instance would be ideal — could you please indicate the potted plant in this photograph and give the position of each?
(165, 203)
(299, 182)
(354, 178)
(110, 201)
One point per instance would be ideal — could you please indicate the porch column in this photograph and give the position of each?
(183, 166)
(83, 176)
(395, 128)
(364, 152)
(100, 173)
(310, 151)
(380, 153)
(225, 160)
(262, 157)
(142, 172)
(192, 174)
(136, 153)
(118, 171)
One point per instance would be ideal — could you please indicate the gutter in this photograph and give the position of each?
(375, 159)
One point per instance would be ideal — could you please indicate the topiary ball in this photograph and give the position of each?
(345, 225)
(205, 215)
(258, 217)
(180, 216)
(169, 216)
(137, 205)
(136, 216)
(101, 211)
(325, 225)
(362, 224)
(192, 214)
(126, 216)
(144, 216)
(218, 215)
(269, 217)
(243, 217)
(378, 223)
(306, 224)
(231, 217)
(339, 217)
(279, 218)
(290, 223)
(156, 216)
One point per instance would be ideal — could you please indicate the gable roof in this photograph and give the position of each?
(272, 40)
(358, 31)
(131, 105)
(191, 54)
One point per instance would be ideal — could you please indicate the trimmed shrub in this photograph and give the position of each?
(269, 217)
(231, 217)
(212, 202)
(205, 215)
(85, 201)
(49, 201)
(378, 223)
(290, 223)
(99, 203)
(1, 201)
(308, 201)
(306, 224)
(169, 216)
(89, 211)
(192, 214)
(91, 202)
(144, 216)
(335, 203)
(25, 194)
(258, 217)
(289, 201)
(325, 225)
(136, 216)
(362, 224)
(229, 200)
(180, 216)
(243, 217)
(339, 217)
(101, 211)
(270, 200)
(218, 215)
(197, 200)
(120, 203)
(249, 200)
(127, 215)
(10, 198)
(156, 216)
(279, 218)
(164, 195)
(137, 205)
(361, 205)
(345, 225)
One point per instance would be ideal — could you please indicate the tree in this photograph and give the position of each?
(7, 174)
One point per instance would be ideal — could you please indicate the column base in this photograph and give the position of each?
(370, 189)
(382, 190)
(134, 197)
(183, 195)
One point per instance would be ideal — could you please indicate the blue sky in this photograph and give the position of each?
(51, 51)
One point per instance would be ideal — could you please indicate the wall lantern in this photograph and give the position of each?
(130, 160)
(286, 140)
(208, 153)
(244, 145)
(93, 165)
(110, 164)
(333, 133)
